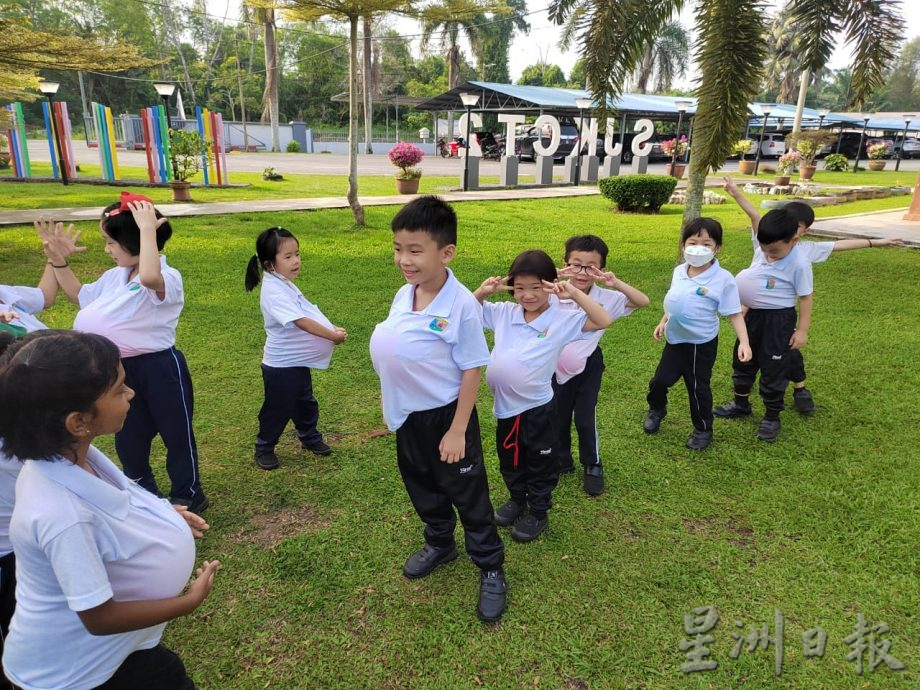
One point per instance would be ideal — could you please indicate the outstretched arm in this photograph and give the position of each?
(59, 244)
(846, 245)
(635, 299)
(746, 206)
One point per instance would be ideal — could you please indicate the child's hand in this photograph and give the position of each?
(201, 586)
(798, 340)
(339, 335)
(561, 288)
(195, 522)
(58, 243)
(744, 353)
(8, 316)
(658, 333)
(495, 284)
(145, 216)
(605, 278)
(728, 184)
(452, 446)
(893, 242)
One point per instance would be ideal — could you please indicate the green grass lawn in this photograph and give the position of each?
(851, 179)
(823, 525)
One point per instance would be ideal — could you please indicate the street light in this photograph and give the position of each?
(682, 107)
(765, 113)
(822, 113)
(469, 100)
(900, 149)
(165, 90)
(583, 104)
(862, 138)
(49, 88)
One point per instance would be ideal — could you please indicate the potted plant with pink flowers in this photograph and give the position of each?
(788, 162)
(406, 156)
(675, 148)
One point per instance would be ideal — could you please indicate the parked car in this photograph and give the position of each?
(910, 149)
(849, 143)
(773, 145)
(529, 134)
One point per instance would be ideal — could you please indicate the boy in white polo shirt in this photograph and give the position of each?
(779, 276)
(816, 252)
(428, 353)
(701, 290)
(577, 381)
(19, 304)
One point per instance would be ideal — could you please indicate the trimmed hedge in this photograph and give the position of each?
(638, 193)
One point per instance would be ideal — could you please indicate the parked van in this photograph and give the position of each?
(773, 146)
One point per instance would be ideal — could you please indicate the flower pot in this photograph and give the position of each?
(407, 186)
(781, 181)
(806, 171)
(746, 167)
(676, 169)
(877, 165)
(180, 190)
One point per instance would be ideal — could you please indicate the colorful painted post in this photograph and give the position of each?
(204, 153)
(16, 135)
(49, 131)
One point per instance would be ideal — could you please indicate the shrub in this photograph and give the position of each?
(185, 151)
(405, 156)
(642, 193)
(789, 161)
(741, 147)
(293, 147)
(836, 162)
(809, 143)
(877, 151)
(270, 175)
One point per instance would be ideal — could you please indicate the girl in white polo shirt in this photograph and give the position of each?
(101, 563)
(137, 306)
(529, 335)
(298, 338)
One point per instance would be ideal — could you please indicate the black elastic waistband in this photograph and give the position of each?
(151, 355)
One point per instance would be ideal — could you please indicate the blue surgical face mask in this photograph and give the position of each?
(697, 255)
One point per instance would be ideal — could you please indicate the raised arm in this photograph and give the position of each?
(732, 189)
(490, 286)
(59, 245)
(598, 318)
(635, 299)
(149, 271)
(846, 245)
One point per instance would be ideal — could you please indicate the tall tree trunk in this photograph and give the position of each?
(356, 209)
(696, 185)
(453, 76)
(368, 89)
(270, 95)
(645, 70)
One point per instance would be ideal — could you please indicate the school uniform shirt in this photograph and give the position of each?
(9, 471)
(816, 252)
(776, 285)
(81, 540)
(420, 355)
(286, 345)
(26, 301)
(524, 357)
(693, 304)
(575, 355)
(130, 315)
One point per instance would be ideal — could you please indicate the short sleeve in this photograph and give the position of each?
(489, 312)
(803, 279)
(90, 292)
(28, 299)
(469, 349)
(817, 252)
(281, 305)
(572, 323)
(78, 567)
(729, 300)
(617, 306)
(172, 284)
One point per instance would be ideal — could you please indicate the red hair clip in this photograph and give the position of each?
(127, 198)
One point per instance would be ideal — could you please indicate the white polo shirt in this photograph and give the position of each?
(575, 355)
(693, 304)
(816, 252)
(286, 345)
(420, 356)
(776, 285)
(9, 471)
(524, 357)
(130, 315)
(81, 540)
(26, 301)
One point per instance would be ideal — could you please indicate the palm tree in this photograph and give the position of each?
(784, 63)
(265, 15)
(731, 50)
(666, 57)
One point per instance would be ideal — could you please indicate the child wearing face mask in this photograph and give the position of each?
(700, 291)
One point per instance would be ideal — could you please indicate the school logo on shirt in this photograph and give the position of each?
(135, 287)
(438, 324)
(701, 291)
(543, 334)
(771, 283)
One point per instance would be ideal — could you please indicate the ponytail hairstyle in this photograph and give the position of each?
(267, 244)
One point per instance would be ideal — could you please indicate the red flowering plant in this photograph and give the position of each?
(675, 147)
(406, 156)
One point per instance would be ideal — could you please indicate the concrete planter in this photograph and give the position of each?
(877, 165)
(180, 190)
(407, 186)
(806, 172)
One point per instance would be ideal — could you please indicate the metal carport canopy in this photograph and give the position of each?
(511, 98)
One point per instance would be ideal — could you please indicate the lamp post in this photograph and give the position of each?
(862, 138)
(165, 90)
(764, 113)
(469, 100)
(822, 113)
(583, 104)
(49, 88)
(682, 107)
(900, 149)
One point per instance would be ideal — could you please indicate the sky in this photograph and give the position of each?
(541, 43)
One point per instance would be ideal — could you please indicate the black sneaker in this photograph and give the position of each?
(529, 528)
(317, 448)
(594, 480)
(768, 430)
(197, 505)
(699, 440)
(652, 421)
(426, 559)
(732, 410)
(804, 403)
(493, 593)
(266, 461)
(508, 513)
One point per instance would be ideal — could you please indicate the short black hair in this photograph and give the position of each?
(267, 244)
(44, 376)
(6, 339)
(429, 214)
(803, 212)
(778, 225)
(533, 262)
(587, 243)
(122, 228)
(712, 227)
